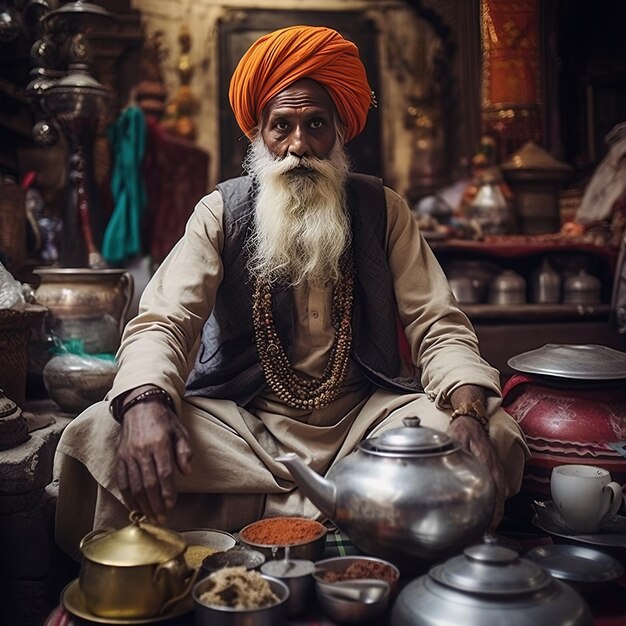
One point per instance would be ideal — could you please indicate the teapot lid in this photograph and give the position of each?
(140, 543)
(410, 438)
(491, 569)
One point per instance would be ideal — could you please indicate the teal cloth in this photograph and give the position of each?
(127, 137)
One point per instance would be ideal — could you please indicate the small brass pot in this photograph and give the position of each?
(136, 572)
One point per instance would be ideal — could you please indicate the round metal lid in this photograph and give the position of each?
(576, 564)
(491, 569)
(138, 544)
(411, 438)
(581, 362)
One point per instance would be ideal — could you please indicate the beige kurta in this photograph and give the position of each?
(235, 479)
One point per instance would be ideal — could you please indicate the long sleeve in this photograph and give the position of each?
(160, 341)
(443, 342)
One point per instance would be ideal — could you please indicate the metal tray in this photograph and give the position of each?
(580, 362)
(576, 564)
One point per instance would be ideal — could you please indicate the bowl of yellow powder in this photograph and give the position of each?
(201, 542)
(235, 596)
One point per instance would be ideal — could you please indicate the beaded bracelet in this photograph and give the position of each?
(471, 412)
(156, 393)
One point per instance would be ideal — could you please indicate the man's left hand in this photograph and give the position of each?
(469, 432)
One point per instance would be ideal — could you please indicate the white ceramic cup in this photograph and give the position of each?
(584, 496)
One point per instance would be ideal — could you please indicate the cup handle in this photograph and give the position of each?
(616, 500)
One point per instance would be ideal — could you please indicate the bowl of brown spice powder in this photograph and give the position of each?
(286, 537)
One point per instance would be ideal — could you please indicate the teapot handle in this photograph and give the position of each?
(171, 567)
(94, 533)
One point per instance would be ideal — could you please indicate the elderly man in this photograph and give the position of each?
(272, 325)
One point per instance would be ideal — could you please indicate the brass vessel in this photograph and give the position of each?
(136, 572)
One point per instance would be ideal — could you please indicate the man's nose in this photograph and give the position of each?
(299, 143)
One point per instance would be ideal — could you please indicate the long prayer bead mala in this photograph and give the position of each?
(290, 386)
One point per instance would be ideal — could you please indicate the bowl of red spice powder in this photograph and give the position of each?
(300, 537)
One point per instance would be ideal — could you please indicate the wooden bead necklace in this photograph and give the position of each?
(290, 386)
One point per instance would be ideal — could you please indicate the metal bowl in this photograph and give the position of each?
(239, 556)
(212, 615)
(354, 601)
(296, 574)
(213, 541)
(311, 550)
(339, 565)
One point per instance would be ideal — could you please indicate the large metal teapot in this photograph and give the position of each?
(411, 495)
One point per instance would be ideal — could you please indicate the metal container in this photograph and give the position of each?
(545, 285)
(411, 495)
(489, 585)
(536, 178)
(211, 615)
(86, 304)
(582, 288)
(146, 559)
(296, 574)
(507, 288)
(312, 549)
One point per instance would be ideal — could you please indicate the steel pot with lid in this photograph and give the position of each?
(489, 585)
(147, 559)
(411, 495)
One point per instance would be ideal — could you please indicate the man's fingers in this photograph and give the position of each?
(124, 485)
(182, 449)
(137, 489)
(165, 472)
(152, 489)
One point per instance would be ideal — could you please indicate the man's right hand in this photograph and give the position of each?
(152, 444)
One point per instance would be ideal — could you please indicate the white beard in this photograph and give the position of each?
(301, 225)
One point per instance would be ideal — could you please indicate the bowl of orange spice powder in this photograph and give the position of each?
(300, 537)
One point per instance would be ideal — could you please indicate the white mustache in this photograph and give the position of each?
(292, 162)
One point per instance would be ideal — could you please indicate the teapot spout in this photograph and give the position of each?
(321, 491)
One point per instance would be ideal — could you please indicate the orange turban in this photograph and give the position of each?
(279, 59)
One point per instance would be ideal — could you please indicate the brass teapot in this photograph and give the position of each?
(136, 572)
(411, 495)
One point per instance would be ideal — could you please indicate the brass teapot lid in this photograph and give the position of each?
(140, 543)
(412, 438)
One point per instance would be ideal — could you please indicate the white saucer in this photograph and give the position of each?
(73, 601)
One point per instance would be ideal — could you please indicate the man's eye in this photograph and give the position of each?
(281, 126)
(317, 124)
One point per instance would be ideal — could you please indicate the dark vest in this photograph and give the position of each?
(227, 365)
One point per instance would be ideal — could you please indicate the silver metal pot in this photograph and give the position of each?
(508, 287)
(411, 495)
(489, 585)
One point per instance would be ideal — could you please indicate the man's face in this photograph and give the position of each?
(300, 121)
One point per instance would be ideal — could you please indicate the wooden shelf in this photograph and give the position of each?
(539, 313)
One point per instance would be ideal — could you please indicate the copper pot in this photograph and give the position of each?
(86, 304)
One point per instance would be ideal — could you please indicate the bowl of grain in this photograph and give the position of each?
(202, 542)
(286, 537)
(234, 596)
